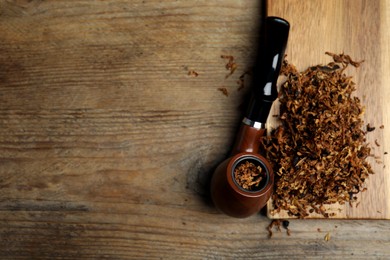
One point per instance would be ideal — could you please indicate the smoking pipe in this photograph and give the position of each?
(227, 195)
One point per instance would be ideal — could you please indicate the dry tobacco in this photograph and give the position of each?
(241, 80)
(327, 237)
(248, 175)
(193, 73)
(370, 128)
(285, 223)
(224, 91)
(278, 223)
(319, 152)
(231, 66)
(273, 223)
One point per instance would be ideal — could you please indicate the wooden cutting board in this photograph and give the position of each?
(359, 29)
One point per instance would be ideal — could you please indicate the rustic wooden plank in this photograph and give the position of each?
(384, 67)
(343, 27)
(107, 144)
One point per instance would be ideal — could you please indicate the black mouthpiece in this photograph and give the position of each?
(273, 42)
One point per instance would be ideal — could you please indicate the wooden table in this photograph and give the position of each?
(108, 137)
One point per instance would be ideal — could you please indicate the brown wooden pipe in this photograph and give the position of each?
(248, 139)
(227, 195)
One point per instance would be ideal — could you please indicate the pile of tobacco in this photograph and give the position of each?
(319, 151)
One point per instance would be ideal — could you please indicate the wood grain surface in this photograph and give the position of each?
(107, 142)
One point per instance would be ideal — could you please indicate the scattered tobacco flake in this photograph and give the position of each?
(385, 153)
(277, 223)
(193, 73)
(270, 233)
(319, 151)
(382, 126)
(230, 65)
(377, 143)
(343, 59)
(285, 223)
(241, 80)
(224, 91)
(370, 128)
(240, 84)
(248, 175)
(327, 237)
